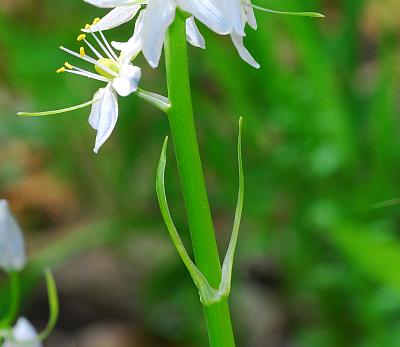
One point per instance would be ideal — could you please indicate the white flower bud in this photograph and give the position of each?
(12, 249)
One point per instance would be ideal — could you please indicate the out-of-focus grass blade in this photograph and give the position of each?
(377, 258)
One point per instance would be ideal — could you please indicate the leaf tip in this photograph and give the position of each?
(50, 280)
(48, 273)
(165, 145)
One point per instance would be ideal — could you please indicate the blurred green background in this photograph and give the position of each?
(318, 260)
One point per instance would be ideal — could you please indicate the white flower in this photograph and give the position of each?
(154, 20)
(225, 17)
(222, 16)
(241, 13)
(12, 249)
(23, 334)
(152, 46)
(121, 78)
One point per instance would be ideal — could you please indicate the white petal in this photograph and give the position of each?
(94, 116)
(243, 52)
(119, 46)
(158, 17)
(131, 48)
(116, 17)
(128, 81)
(106, 116)
(249, 11)
(23, 334)
(209, 12)
(193, 34)
(12, 249)
(234, 11)
(110, 3)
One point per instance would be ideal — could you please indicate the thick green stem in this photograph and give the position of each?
(183, 132)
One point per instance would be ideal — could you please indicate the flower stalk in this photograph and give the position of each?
(183, 131)
(14, 300)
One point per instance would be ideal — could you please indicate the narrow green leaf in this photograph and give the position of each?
(227, 266)
(53, 305)
(207, 293)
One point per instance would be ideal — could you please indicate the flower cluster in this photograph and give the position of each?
(113, 62)
(223, 17)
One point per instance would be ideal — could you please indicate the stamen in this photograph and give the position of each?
(71, 69)
(87, 26)
(94, 50)
(84, 57)
(88, 75)
(89, 60)
(96, 20)
(108, 46)
(105, 50)
(79, 55)
(81, 37)
(82, 52)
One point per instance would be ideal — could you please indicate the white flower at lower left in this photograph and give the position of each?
(23, 334)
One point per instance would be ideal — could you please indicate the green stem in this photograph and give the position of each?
(184, 137)
(14, 300)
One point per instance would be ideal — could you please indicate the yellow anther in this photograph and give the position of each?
(61, 69)
(81, 37)
(82, 52)
(68, 65)
(96, 20)
(87, 26)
